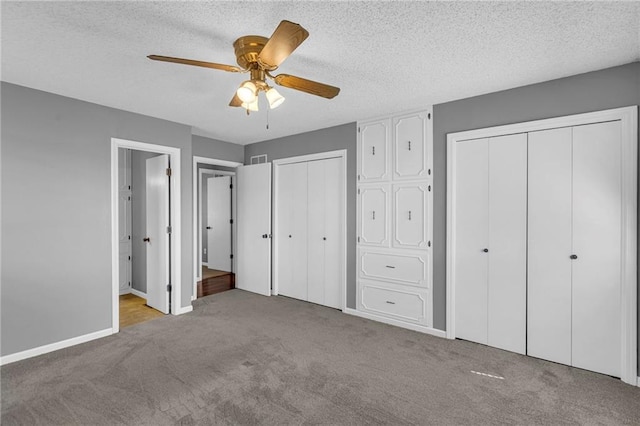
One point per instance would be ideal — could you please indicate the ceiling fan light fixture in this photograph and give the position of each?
(251, 106)
(247, 92)
(274, 97)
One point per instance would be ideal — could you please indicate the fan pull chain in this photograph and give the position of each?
(267, 119)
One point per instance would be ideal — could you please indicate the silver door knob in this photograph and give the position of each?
(573, 257)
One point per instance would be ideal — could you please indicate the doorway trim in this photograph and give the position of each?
(176, 225)
(197, 251)
(201, 174)
(628, 117)
(342, 153)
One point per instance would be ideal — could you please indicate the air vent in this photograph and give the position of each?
(259, 159)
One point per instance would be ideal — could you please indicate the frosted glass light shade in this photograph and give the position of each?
(275, 99)
(247, 92)
(251, 106)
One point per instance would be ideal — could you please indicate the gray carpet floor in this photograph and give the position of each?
(241, 358)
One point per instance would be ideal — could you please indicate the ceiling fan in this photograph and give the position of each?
(259, 56)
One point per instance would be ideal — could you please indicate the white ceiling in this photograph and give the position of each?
(385, 56)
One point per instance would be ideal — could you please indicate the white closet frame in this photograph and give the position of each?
(343, 237)
(628, 117)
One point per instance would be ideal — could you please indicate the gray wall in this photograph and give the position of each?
(330, 139)
(139, 218)
(594, 91)
(56, 242)
(213, 148)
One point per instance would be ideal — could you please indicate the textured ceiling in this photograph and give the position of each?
(385, 56)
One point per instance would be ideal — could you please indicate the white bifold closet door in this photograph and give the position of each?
(324, 213)
(575, 246)
(292, 230)
(491, 256)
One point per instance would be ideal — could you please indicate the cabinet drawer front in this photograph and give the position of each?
(407, 305)
(410, 268)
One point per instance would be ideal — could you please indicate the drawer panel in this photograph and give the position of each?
(404, 268)
(404, 304)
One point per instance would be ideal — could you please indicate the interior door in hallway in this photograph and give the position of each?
(254, 228)
(157, 236)
(219, 223)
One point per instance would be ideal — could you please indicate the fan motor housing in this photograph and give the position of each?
(248, 48)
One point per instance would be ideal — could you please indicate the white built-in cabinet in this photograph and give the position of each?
(541, 233)
(309, 229)
(394, 218)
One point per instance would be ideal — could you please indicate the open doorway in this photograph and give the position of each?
(145, 232)
(214, 226)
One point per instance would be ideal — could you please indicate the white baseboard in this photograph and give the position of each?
(390, 321)
(40, 350)
(139, 293)
(183, 310)
(638, 382)
(125, 291)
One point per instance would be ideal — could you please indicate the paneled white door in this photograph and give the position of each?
(254, 228)
(409, 146)
(596, 272)
(373, 214)
(549, 246)
(507, 274)
(410, 203)
(219, 223)
(292, 230)
(471, 238)
(157, 237)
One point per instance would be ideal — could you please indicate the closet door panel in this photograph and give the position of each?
(507, 283)
(373, 151)
(292, 187)
(316, 231)
(549, 245)
(470, 263)
(409, 150)
(333, 201)
(597, 189)
(410, 203)
(373, 215)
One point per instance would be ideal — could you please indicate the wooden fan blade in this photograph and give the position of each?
(307, 86)
(284, 40)
(229, 68)
(235, 101)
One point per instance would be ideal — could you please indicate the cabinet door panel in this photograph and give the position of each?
(409, 147)
(410, 207)
(373, 215)
(292, 230)
(549, 246)
(471, 237)
(597, 190)
(373, 151)
(507, 283)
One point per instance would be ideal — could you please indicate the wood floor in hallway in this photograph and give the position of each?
(133, 310)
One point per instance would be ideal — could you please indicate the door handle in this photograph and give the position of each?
(146, 239)
(265, 235)
(486, 250)
(208, 227)
(573, 256)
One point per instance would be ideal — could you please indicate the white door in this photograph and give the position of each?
(410, 215)
(373, 209)
(324, 255)
(292, 230)
(507, 282)
(471, 239)
(157, 237)
(254, 228)
(219, 223)
(124, 221)
(596, 273)
(409, 150)
(549, 246)
(373, 151)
